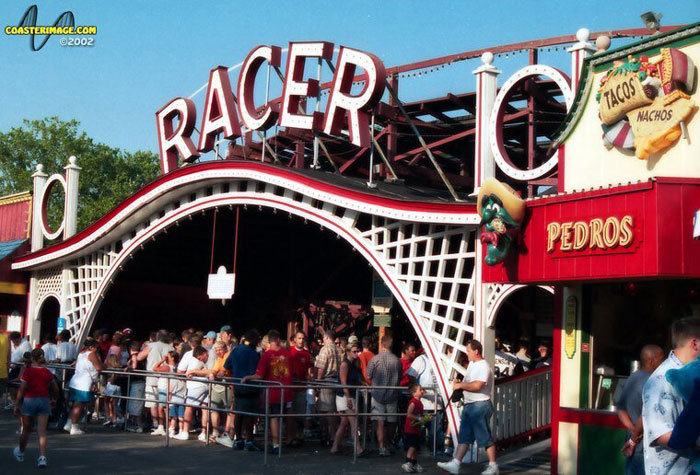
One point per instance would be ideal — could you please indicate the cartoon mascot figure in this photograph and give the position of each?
(502, 212)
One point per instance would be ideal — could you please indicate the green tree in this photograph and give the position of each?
(108, 175)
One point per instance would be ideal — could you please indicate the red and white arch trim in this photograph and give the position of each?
(425, 252)
(120, 217)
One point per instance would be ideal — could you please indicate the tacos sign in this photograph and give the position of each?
(644, 105)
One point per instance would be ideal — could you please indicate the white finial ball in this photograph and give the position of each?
(487, 58)
(39, 168)
(602, 43)
(583, 34)
(72, 159)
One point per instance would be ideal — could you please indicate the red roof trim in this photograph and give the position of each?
(582, 195)
(416, 206)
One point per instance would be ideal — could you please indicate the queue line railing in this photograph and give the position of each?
(261, 385)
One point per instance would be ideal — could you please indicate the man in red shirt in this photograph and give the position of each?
(275, 365)
(407, 356)
(301, 362)
(365, 356)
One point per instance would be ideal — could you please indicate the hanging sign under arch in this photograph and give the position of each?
(496, 126)
(221, 285)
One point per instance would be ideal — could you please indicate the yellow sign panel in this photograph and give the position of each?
(570, 327)
(658, 125)
(620, 94)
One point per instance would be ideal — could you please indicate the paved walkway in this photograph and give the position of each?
(104, 450)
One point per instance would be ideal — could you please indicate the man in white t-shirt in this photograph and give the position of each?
(197, 392)
(50, 350)
(195, 341)
(476, 414)
(154, 352)
(66, 352)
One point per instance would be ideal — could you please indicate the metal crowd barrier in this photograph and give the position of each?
(258, 384)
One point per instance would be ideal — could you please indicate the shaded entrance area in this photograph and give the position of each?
(48, 316)
(284, 264)
(525, 318)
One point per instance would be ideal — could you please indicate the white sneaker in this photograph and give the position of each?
(171, 433)
(159, 431)
(202, 437)
(75, 430)
(19, 456)
(41, 462)
(182, 435)
(418, 468)
(225, 440)
(452, 466)
(408, 467)
(491, 469)
(68, 426)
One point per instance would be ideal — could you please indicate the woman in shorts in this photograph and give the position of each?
(87, 368)
(33, 402)
(350, 375)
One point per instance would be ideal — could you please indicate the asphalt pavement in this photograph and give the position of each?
(105, 450)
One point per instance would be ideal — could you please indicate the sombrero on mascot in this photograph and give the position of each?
(502, 212)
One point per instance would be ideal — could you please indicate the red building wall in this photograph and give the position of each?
(663, 246)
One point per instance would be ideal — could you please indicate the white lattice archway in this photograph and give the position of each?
(425, 254)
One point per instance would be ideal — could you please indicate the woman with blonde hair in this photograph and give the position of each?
(350, 375)
(33, 403)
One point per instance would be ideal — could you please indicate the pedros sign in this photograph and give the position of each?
(597, 234)
(224, 112)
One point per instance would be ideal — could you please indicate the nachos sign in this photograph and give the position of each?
(645, 105)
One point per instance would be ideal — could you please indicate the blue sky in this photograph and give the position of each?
(148, 52)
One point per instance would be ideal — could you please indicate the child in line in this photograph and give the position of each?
(415, 420)
(174, 391)
(112, 390)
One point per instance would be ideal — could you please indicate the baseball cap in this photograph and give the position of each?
(226, 328)
(127, 331)
(353, 339)
(211, 334)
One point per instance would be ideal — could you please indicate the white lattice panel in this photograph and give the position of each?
(436, 264)
(86, 275)
(48, 282)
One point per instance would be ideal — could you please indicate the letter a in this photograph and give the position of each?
(219, 111)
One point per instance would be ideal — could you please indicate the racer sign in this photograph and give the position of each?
(224, 113)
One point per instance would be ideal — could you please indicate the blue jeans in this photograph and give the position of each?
(476, 424)
(635, 463)
(36, 406)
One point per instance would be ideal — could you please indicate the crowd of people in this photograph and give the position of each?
(200, 377)
(216, 385)
(511, 362)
